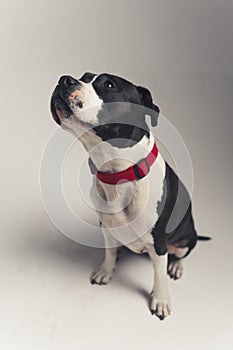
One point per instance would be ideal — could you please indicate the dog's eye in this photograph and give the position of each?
(109, 84)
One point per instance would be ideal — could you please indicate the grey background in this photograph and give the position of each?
(183, 52)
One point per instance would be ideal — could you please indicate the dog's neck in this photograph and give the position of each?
(105, 156)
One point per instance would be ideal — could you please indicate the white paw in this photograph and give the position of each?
(160, 307)
(101, 276)
(175, 269)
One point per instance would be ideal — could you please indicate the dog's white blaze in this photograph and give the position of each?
(91, 104)
(91, 99)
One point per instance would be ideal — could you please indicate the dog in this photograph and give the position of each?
(134, 189)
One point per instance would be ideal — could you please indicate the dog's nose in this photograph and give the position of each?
(67, 81)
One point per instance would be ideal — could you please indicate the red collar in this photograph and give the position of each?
(134, 172)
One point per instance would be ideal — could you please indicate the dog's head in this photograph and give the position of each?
(106, 103)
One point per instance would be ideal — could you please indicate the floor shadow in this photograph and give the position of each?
(128, 281)
(54, 246)
(57, 250)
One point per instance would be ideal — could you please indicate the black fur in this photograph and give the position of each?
(112, 89)
(184, 234)
(87, 77)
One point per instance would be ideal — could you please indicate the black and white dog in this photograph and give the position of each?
(134, 190)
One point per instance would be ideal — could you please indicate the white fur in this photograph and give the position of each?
(91, 104)
(175, 269)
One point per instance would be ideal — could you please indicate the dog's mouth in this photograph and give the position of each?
(60, 108)
(67, 98)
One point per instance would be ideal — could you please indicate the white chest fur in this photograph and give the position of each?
(129, 211)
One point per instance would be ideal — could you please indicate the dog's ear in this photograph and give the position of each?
(147, 101)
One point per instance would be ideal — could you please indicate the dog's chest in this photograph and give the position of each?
(129, 211)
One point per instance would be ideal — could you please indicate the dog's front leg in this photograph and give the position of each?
(160, 303)
(105, 272)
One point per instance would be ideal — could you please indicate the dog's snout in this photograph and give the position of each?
(67, 81)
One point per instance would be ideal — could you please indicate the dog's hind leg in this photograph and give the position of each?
(174, 267)
(105, 272)
(175, 256)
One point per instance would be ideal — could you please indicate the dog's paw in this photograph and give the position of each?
(160, 307)
(175, 269)
(101, 276)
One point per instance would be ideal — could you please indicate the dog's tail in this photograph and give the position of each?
(204, 238)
